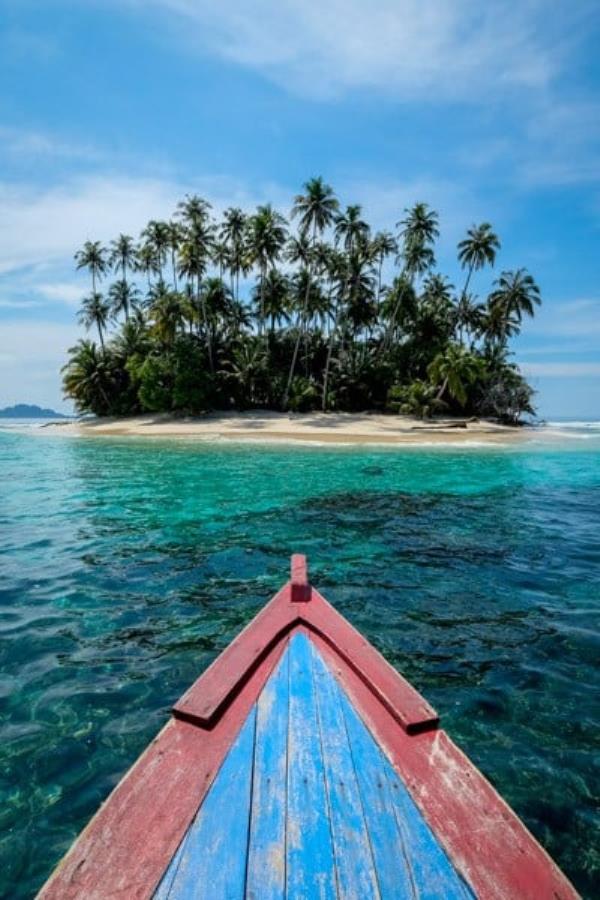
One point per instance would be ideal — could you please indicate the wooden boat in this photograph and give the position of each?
(302, 765)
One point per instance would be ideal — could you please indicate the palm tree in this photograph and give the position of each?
(86, 378)
(123, 297)
(266, 239)
(468, 315)
(419, 226)
(399, 306)
(477, 250)
(220, 257)
(276, 298)
(454, 370)
(418, 231)
(516, 295)
(194, 255)
(146, 261)
(122, 255)
(337, 266)
(248, 368)
(175, 237)
(93, 258)
(167, 312)
(233, 233)
(315, 210)
(94, 312)
(132, 339)
(157, 237)
(350, 228)
(217, 302)
(193, 211)
(383, 245)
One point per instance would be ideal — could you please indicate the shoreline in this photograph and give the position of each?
(301, 428)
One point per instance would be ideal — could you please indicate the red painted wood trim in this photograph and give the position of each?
(485, 840)
(300, 587)
(124, 851)
(399, 697)
(208, 697)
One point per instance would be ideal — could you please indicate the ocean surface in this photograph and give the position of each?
(126, 565)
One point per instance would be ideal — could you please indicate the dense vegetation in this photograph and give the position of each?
(251, 312)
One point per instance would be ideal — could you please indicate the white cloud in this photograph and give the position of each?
(31, 356)
(44, 225)
(571, 319)
(18, 143)
(407, 48)
(66, 292)
(560, 369)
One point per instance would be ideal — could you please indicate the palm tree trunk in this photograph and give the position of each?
(442, 390)
(301, 320)
(174, 269)
(466, 287)
(207, 336)
(101, 336)
(328, 361)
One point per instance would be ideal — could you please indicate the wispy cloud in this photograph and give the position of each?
(560, 369)
(572, 319)
(406, 48)
(16, 143)
(31, 355)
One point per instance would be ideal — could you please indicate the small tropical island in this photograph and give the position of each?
(29, 411)
(313, 312)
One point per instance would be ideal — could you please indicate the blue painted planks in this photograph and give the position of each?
(356, 877)
(306, 805)
(266, 852)
(393, 871)
(310, 869)
(409, 860)
(213, 859)
(433, 873)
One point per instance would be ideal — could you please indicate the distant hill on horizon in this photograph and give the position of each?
(29, 411)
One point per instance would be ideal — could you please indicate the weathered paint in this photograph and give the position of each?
(129, 843)
(212, 860)
(355, 867)
(127, 846)
(266, 856)
(483, 837)
(260, 834)
(412, 857)
(310, 870)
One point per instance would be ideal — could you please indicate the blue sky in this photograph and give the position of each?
(111, 111)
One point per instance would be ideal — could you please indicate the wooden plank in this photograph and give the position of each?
(131, 840)
(210, 694)
(432, 872)
(390, 855)
(266, 855)
(413, 856)
(310, 868)
(407, 706)
(162, 891)
(213, 861)
(487, 843)
(356, 878)
(300, 588)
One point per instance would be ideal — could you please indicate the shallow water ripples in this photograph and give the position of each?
(126, 567)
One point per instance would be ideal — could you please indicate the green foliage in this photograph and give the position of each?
(303, 394)
(155, 378)
(201, 314)
(415, 399)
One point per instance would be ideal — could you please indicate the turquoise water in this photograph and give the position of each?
(127, 565)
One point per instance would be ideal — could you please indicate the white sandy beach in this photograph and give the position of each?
(334, 428)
